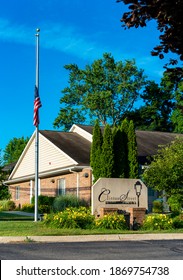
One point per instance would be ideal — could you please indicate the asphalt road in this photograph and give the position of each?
(100, 250)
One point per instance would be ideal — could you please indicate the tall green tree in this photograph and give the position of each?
(168, 15)
(14, 149)
(107, 156)
(2, 174)
(177, 115)
(120, 153)
(96, 151)
(104, 90)
(132, 152)
(124, 129)
(165, 173)
(114, 154)
(159, 102)
(4, 191)
(120, 147)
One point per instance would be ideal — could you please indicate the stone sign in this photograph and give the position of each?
(119, 194)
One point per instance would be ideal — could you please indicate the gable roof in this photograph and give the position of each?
(58, 153)
(77, 147)
(61, 151)
(74, 145)
(87, 128)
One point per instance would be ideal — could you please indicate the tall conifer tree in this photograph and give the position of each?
(124, 135)
(107, 157)
(132, 152)
(120, 153)
(96, 151)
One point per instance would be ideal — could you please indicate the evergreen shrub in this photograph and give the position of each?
(45, 203)
(4, 193)
(62, 202)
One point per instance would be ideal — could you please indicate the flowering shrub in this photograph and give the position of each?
(71, 218)
(111, 221)
(47, 219)
(157, 222)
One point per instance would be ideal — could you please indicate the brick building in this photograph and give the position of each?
(64, 162)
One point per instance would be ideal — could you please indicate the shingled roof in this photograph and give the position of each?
(9, 167)
(74, 145)
(148, 142)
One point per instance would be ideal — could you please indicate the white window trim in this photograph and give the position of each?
(17, 193)
(58, 186)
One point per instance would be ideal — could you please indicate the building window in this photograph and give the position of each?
(17, 193)
(61, 186)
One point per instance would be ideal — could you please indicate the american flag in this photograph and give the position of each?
(37, 105)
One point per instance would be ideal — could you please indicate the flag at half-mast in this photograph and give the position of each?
(37, 105)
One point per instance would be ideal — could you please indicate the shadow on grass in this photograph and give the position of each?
(14, 217)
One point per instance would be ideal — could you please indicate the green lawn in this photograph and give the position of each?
(16, 225)
(30, 228)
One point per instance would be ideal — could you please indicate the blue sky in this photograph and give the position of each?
(72, 31)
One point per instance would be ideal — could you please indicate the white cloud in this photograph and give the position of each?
(52, 36)
(69, 40)
(14, 33)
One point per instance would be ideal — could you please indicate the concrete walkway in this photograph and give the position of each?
(22, 213)
(93, 238)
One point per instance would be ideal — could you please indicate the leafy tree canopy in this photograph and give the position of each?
(96, 151)
(104, 90)
(2, 175)
(14, 149)
(177, 115)
(168, 15)
(165, 171)
(162, 106)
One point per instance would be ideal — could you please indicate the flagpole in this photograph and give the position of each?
(37, 133)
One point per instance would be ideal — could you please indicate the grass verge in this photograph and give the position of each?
(16, 225)
(31, 228)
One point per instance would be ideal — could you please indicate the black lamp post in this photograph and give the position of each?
(138, 188)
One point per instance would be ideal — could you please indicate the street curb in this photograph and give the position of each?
(91, 238)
